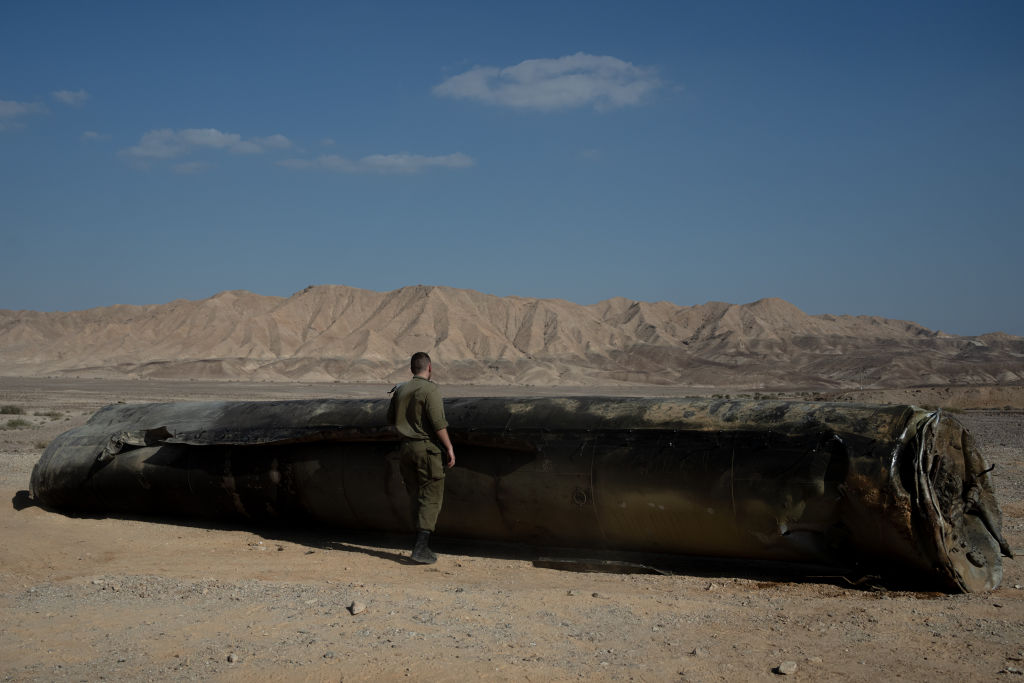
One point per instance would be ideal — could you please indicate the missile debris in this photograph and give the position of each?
(893, 490)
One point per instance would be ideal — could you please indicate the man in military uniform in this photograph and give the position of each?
(417, 412)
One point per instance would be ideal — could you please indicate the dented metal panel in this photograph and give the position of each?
(890, 489)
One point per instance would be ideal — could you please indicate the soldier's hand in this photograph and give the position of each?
(450, 460)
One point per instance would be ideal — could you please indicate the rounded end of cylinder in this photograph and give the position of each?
(958, 515)
(59, 481)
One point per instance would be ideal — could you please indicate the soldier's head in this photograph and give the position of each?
(420, 364)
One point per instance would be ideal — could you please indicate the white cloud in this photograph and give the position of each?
(412, 163)
(166, 143)
(208, 137)
(577, 80)
(11, 111)
(274, 142)
(158, 144)
(93, 135)
(246, 147)
(73, 97)
(380, 163)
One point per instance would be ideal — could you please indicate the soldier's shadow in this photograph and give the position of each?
(395, 547)
(382, 554)
(386, 548)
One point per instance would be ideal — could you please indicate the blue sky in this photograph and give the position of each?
(858, 158)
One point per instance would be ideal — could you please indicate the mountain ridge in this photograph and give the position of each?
(341, 333)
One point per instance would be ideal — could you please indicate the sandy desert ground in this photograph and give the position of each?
(88, 599)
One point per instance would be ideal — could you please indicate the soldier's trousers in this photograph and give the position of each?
(422, 470)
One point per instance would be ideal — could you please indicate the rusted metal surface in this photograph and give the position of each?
(890, 489)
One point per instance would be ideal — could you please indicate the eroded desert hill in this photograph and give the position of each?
(341, 333)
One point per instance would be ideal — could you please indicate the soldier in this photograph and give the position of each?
(418, 414)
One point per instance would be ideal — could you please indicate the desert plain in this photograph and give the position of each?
(160, 599)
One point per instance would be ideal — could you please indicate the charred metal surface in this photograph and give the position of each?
(890, 489)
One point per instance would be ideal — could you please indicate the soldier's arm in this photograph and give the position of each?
(435, 410)
(442, 434)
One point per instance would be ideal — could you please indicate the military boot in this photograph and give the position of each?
(421, 553)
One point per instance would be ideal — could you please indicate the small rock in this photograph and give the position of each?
(232, 658)
(356, 607)
(572, 592)
(310, 552)
(698, 652)
(786, 668)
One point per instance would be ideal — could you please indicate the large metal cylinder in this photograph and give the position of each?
(890, 489)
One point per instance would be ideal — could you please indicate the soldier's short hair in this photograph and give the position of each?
(419, 362)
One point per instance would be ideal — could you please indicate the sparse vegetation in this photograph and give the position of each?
(41, 445)
(18, 423)
(52, 414)
(11, 410)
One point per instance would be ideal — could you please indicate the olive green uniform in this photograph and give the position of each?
(417, 412)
